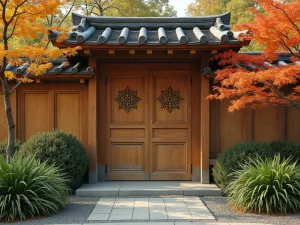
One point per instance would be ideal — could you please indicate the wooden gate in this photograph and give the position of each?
(148, 124)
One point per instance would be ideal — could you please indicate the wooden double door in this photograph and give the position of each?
(148, 124)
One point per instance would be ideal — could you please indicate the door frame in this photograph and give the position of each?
(195, 69)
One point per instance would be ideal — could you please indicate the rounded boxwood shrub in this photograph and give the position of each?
(230, 159)
(61, 149)
(3, 145)
(29, 188)
(270, 185)
(286, 150)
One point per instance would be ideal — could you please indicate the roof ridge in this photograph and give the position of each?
(131, 22)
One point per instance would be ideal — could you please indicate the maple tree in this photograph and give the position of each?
(252, 80)
(24, 18)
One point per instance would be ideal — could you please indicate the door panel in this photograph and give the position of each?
(127, 94)
(149, 125)
(170, 125)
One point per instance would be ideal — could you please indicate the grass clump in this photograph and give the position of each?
(266, 186)
(29, 188)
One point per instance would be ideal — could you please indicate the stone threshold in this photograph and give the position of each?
(148, 188)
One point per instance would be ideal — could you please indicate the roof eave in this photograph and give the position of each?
(154, 47)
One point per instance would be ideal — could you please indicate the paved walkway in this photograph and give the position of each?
(168, 223)
(150, 209)
(147, 189)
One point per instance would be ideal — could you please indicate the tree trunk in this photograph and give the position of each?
(10, 120)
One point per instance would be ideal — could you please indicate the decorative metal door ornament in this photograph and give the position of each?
(170, 99)
(127, 99)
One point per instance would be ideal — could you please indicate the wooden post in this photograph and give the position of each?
(92, 125)
(204, 134)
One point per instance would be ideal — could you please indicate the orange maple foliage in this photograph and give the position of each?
(252, 80)
(24, 18)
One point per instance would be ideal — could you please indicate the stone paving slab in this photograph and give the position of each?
(148, 188)
(169, 223)
(150, 209)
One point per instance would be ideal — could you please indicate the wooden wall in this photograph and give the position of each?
(263, 124)
(44, 107)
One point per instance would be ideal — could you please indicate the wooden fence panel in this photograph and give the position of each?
(293, 125)
(266, 124)
(68, 113)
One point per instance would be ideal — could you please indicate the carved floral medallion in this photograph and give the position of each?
(170, 99)
(127, 99)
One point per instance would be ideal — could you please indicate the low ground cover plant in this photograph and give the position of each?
(29, 188)
(266, 186)
(61, 149)
(230, 159)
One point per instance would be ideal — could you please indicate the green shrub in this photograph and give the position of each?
(61, 149)
(3, 145)
(29, 188)
(269, 185)
(286, 150)
(230, 159)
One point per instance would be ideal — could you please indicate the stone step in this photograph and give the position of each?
(148, 188)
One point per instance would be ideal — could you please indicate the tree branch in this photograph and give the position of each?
(287, 15)
(18, 84)
(63, 19)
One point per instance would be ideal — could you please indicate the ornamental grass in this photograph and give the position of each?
(266, 186)
(29, 188)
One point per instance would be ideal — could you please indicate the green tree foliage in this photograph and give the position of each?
(135, 8)
(238, 8)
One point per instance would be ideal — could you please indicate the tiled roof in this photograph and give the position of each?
(283, 60)
(59, 67)
(92, 30)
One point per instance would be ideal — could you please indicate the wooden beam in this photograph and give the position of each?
(82, 81)
(205, 126)
(132, 52)
(149, 52)
(87, 52)
(111, 52)
(170, 52)
(38, 81)
(193, 52)
(160, 47)
(214, 51)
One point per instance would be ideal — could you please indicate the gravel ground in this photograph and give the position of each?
(80, 208)
(77, 211)
(219, 208)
